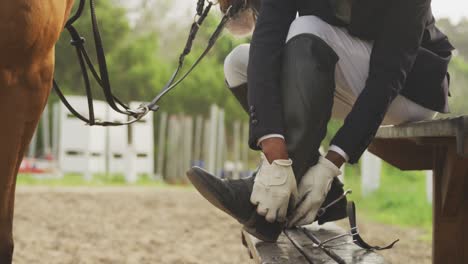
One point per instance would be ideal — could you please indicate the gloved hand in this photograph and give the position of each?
(274, 188)
(313, 190)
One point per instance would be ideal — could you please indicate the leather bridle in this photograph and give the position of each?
(101, 74)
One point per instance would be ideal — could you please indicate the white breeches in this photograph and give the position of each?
(351, 72)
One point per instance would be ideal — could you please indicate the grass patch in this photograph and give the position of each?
(98, 180)
(401, 199)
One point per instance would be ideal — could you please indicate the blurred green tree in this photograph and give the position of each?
(139, 65)
(133, 65)
(457, 33)
(459, 86)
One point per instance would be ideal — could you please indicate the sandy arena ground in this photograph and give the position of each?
(148, 225)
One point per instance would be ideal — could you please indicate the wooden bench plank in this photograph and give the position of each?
(411, 146)
(284, 251)
(281, 252)
(450, 128)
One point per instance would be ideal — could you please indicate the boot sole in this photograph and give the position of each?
(198, 181)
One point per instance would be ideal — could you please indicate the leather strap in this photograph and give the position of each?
(357, 239)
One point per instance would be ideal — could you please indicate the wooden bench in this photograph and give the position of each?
(441, 146)
(305, 251)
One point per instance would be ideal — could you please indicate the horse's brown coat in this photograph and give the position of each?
(29, 30)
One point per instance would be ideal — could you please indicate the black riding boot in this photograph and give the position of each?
(308, 86)
(240, 92)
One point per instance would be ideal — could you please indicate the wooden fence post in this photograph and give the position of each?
(179, 159)
(211, 162)
(161, 145)
(220, 148)
(197, 148)
(236, 149)
(206, 143)
(187, 148)
(46, 132)
(56, 129)
(171, 167)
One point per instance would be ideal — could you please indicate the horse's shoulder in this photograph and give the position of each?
(31, 27)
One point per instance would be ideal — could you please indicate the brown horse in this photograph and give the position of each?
(29, 30)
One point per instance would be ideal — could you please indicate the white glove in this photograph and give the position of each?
(275, 186)
(313, 190)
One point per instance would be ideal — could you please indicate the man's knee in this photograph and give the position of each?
(235, 65)
(309, 25)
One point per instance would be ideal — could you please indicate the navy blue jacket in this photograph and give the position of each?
(410, 57)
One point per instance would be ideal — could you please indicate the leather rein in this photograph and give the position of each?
(101, 74)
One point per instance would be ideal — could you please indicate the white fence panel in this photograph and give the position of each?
(97, 140)
(142, 140)
(117, 143)
(81, 148)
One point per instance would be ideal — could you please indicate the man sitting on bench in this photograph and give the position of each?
(383, 63)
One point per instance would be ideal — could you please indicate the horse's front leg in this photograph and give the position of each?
(29, 30)
(15, 135)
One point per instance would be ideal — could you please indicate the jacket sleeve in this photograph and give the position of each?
(263, 72)
(393, 56)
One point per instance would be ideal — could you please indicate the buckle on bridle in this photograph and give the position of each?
(78, 42)
(322, 210)
(140, 112)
